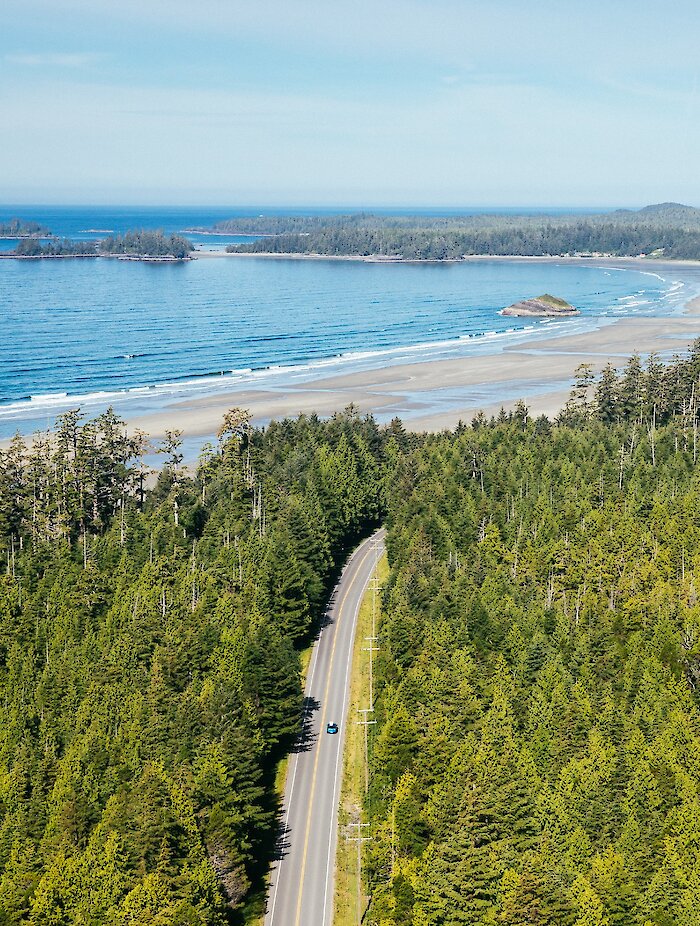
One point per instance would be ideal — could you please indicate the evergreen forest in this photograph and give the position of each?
(537, 754)
(21, 228)
(537, 757)
(149, 647)
(668, 230)
(65, 247)
(579, 239)
(134, 244)
(147, 244)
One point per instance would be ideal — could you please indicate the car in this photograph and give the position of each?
(331, 728)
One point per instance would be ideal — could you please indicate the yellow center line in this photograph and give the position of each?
(318, 748)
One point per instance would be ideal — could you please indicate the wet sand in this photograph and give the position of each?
(436, 394)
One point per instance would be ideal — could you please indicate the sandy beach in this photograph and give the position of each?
(632, 263)
(437, 394)
(434, 394)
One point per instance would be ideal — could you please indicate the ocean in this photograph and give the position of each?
(93, 333)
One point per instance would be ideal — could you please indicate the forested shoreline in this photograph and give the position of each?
(536, 754)
(146, 245)
(22, 228)
(576, 240)
(66, 247)
(668, 230)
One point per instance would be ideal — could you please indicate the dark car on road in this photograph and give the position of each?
(331, 728)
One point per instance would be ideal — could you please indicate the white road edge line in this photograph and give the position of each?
(307, 689)
(336, 799)
(285, 829)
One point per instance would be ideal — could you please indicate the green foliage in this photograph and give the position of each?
(554, 301)
(147, 244)
(668, 229)
(137, 244)
(149, 648)
(23, 228)
(32, 247)
(536, 753)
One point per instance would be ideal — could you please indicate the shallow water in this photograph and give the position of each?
(95, 332)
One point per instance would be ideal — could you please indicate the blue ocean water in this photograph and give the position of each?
(85, 224)
(131, 334)
(93, 222)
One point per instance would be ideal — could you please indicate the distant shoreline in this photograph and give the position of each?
(222, 234)
(368, 259)
(467, 258)
(158, 260)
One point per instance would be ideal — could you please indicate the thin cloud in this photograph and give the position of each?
(54, 60)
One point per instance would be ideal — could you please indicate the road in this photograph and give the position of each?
(302, 879)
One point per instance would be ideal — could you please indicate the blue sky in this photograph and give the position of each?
(390, 102)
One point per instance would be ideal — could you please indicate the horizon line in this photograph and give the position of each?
(344, 206)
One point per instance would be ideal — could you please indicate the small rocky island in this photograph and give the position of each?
(542, 307)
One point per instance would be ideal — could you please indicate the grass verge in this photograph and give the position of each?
(350, 900)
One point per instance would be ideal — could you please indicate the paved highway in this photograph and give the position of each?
(301, 881)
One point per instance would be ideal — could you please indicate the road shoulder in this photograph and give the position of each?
(350, 899)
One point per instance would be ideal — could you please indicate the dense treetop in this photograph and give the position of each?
(669, 230)
(661, 215)
(137, 244)
(536, 754)
(31, 247)
(147, 244)
(22, 228)
(149, 651)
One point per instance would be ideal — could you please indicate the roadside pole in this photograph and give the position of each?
(359, 839)
(366, 722)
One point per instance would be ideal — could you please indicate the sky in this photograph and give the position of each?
(388, 102)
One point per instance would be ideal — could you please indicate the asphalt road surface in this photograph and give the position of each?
(302, 878)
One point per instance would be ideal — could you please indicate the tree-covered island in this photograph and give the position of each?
(21, 228)
(147, 244)
(135, 245)
(31, 247)
(667, 230)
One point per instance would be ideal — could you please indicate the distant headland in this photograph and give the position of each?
(666, 231)
(670, 231)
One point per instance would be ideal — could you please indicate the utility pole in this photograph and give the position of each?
(375, 587)
(372, 649)
(365, 722)
(359, 839)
